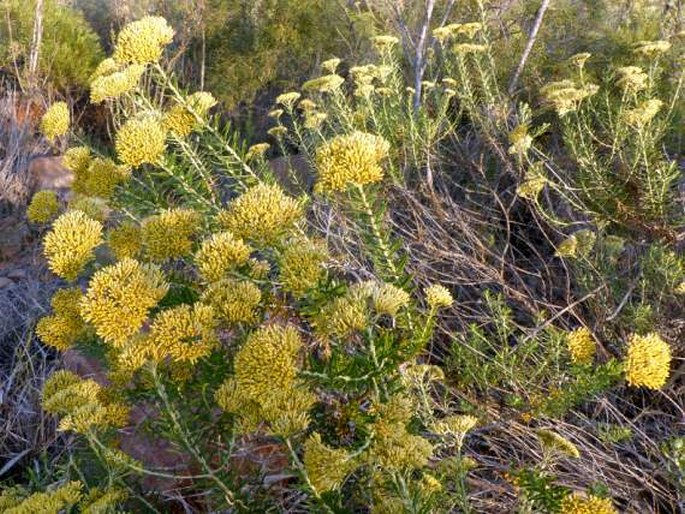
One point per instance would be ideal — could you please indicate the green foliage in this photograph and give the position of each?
(69, 52)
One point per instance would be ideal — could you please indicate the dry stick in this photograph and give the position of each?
(529, 45)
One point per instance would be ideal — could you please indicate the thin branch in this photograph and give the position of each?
(529, 46)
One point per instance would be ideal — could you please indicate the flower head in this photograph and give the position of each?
(288, 99)
(264, 214)
(532, 184)
(520, 140)
(125, 241)
(324, 84)
(220, 254)
(438, 296)
(100, 177)
(59, 499)
(169, 233)
(257, 151)
(106, 67)
(55, 121)
(143, 41)
(651, 49)
(326, 467)
(330, 65)
(44, 207)
(91, 206)
(76, 159)
(61, 329)
(301, 265)
(581, 345)
(141, 140)
(579, 59)
(352, 159)
(577, 504)
(119, 298)
(114, 84)
(644, 113)
(551, 441)
(182, 118)
(267, 362)
(632, 78)
(183, 333)
(565, 96)
(384, 41)
(579, 244)
(648, 361)
(233, 301)
(69, 246)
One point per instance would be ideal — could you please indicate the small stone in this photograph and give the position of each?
(5, 282)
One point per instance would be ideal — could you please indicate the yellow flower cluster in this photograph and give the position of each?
(111, 83)
(220, 254)
(553, 442)
(324, 84)
(257, 151)
(183, 333)
(384, 41)
(520, 140)
(106, 67)
(352, 159)
(61, 329)
(469, 48)
(648, 361)
(579, 59)
(454, 29)
(169, 234)
(388, 299)
(69, 246)
(55, 501)
(55, 121)
(455, 425)
(326, 467)
(99, 177)
(182, 119)
(577, 504)
(125, 241)
(233, 301)
(632, 78)
(99, 501)
(565, 96)
(438, 297)
(43, 207)
(265, 387)
(119, 298)
(581, 345)
(579, 244)
(301, 265)
(143, 41)
(393, 448)
(651, 49)
(644, 113)
(76, 159)
(141, 140)
(80, 403)
(343, 316)
(288, 100)
(532, 184)
(263, 214)
(91, 206)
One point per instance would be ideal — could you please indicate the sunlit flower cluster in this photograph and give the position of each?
(438, 296)
(651, 49)
(234, 301)
(326, 467)
(393, 447)
(99, 501)
(70, 245)
(99, 177)
(644, 113)
(79, 402)
(119, 298)
(532, 184)
(576, 504)
(263, 214)
(62, 328)
(648, 361)
(553, 442)
(301, 265)
(183, 333)
(55, 500)
(76, 159)
(257, 151)
(520, 140)
(44, 207)
(577, 245)
(342, 316)
(143, 41)
(632, 78)
(565, 96)
(182, 118)
(111, 83)
(141, 140)
(581, 346)
(56, 120)
(91, 206)
(219, 254)
(125, 241)
(324, 84)
(352, 159)
(169, 234)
